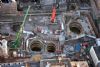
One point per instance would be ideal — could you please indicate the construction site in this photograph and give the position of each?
(49, 33)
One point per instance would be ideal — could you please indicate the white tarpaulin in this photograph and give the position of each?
(98, 41)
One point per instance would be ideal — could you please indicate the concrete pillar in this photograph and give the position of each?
(4, 48)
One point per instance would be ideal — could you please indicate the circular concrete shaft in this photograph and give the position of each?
(75, 28)
(51, 47)
(36, 45)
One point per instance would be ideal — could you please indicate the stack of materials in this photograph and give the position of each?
(79, 64)
(36, 58)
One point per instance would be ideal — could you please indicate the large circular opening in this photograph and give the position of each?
(75, 28)
(51, 47)
(36, 46)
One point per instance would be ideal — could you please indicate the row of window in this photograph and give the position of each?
(6, 1)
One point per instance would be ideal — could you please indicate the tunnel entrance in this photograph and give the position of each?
(51, 47)
(36, 46)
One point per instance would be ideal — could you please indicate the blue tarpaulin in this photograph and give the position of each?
(77, 47)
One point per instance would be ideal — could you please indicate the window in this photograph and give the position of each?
(5, 1)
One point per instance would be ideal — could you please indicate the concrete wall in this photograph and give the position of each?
(10, 8)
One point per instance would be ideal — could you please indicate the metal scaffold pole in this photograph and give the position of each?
(18, 35)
